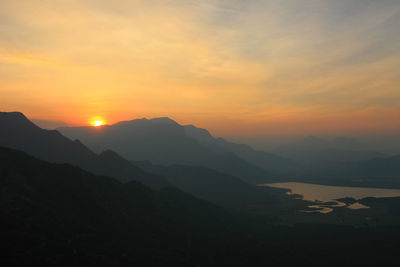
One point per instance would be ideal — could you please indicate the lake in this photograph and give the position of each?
(326, 197)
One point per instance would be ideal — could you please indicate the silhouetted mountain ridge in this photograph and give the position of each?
(17, 132)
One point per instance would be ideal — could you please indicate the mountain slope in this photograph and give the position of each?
(17, 132)
(262, 159)
(383, 167)
(163, 141)
(220, 188)
(381, 172)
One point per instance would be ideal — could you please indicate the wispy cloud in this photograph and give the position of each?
(253, 61)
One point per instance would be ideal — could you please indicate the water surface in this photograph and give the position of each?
(326, 197)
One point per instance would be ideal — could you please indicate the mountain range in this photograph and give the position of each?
(18, 132)
(64, 205)
(164, 141)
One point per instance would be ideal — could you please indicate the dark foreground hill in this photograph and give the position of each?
(17, 132)
(60, 215)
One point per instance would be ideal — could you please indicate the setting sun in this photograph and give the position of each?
(96, 122)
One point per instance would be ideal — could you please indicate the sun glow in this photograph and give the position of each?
(97, 122)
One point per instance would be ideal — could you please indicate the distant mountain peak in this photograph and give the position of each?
(145, 121)
(165, 120)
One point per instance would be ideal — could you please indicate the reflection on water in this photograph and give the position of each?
(326, 196)
(356, 206)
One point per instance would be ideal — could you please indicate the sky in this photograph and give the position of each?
(235, 67)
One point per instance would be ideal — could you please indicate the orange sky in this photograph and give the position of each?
(254, 67)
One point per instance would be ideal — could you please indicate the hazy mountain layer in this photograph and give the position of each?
(315, 150)
(262, 159)
(163, 141)
(378, 172)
